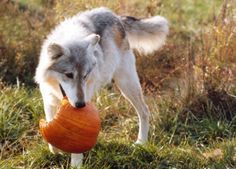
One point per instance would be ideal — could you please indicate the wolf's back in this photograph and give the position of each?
(146, 35)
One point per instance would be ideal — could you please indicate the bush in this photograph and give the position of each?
(22, 30)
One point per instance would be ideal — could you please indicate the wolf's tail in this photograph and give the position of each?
(146, 35)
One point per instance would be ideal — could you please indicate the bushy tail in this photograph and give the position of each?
(146, 35)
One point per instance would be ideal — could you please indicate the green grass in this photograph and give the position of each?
(174, 142)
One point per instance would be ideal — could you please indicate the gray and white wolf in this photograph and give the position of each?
(85, 52)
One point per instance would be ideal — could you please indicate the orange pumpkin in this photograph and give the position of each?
(72, 130)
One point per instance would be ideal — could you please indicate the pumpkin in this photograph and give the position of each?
(72, 130)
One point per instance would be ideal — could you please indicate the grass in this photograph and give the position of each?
(174, 142)
(189, 86)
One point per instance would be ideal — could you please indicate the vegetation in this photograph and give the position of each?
(189, 86)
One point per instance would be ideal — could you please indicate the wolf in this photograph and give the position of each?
(89, 50)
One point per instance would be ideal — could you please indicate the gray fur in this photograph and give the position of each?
(76, 61)
(103, 19)
(72, 58)
(133, 24)
(146, 35)
(55, 51)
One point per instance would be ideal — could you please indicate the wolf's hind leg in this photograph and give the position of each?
(127, 80)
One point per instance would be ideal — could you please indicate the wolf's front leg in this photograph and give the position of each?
(50, 112)
(76, 160)
(51, 104)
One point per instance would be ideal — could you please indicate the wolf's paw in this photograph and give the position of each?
(140, 142)
(54, 150)
(77, 161)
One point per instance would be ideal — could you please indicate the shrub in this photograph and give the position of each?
(22, 30)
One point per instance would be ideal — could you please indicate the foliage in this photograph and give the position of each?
(22, 30)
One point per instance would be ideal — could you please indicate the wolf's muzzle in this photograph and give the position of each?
(80, 104)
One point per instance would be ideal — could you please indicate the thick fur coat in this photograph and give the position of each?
(87, 51)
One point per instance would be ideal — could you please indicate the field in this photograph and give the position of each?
(189, 86)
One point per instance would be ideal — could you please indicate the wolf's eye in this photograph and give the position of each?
(85, 76)
(69, 75)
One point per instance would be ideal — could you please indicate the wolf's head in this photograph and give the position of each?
(72, 64)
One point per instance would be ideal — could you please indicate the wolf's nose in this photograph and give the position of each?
(79, 104)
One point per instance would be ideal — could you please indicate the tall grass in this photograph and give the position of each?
(175, 141)
(22, 30)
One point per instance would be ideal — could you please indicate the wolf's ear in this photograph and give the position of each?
(92, 39)
(55, 51)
